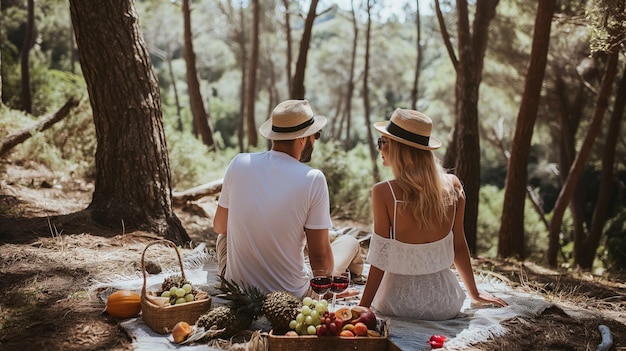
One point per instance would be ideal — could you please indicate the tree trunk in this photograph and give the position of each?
(252, 73)
(132, 181)
(568, 127)
(25, 95)
(201, 118)
(288, 39)
(418, 63)
(243, 59)
(297, 88)
(350, 91)
(511, 236)
(472, 47)
(366, 102)
(576, 170)
(588, 250)
(449, 159)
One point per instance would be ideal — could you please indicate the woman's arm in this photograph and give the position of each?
(462, 257)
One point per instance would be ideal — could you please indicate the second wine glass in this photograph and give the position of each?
(339, 283)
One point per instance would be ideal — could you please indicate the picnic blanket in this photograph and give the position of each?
(476, 323)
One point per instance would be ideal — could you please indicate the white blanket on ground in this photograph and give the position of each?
(478, 324)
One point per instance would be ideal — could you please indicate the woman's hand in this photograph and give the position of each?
(490, 299)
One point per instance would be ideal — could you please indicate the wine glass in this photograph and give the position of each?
(339, 283)
(320, 282)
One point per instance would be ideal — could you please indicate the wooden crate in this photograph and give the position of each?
(325, 343)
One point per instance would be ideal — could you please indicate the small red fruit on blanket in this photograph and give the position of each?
(436, 341)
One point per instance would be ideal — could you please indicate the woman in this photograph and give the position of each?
(418, 228)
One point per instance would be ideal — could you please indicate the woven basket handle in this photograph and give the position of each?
(143, 262)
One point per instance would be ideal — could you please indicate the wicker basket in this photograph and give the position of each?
(162, 319)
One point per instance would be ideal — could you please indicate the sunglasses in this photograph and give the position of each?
(318, 135)
(381, 142)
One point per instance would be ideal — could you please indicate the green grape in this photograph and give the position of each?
(316, 321)
(165, 294)
(311, 330)
(306, 310)
(292, 324)
(308, 320)
(300, 318)
(180, 300)
(324, 303)
(314, 314)
(307, 301)
(187, 288)
(180, 292)
(298, 327)
(189, 298)
(320, 308)
(173, 290)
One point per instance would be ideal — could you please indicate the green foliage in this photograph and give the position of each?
(488, 227)
(68, 146)
(191, 162)
(349, 178)
(614, 252)
(607, 24)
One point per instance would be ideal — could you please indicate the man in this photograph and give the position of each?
(273, 206)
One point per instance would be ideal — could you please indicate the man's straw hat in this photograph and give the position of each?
(292, 119)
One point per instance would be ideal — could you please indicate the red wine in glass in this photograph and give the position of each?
(339, 283)
(321, 285)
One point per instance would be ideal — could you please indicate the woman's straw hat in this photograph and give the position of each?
(409, 127)
(290, 120)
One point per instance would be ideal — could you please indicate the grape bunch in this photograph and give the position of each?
(330, 325)
(309, 319)
(179, 295)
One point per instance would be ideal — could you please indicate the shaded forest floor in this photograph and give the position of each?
(51, 255)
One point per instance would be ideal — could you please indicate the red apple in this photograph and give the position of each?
(363, 315)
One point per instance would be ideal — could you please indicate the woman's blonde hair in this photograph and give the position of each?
(428, 191)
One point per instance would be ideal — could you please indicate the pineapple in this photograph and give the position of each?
(280, 307)
(224, 317)
(246, 305)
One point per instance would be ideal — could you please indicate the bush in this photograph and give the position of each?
(349, 178)
(489, 216)
(615, 248)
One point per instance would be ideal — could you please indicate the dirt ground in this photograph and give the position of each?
(51, 256)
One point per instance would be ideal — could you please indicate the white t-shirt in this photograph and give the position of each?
(271, 197)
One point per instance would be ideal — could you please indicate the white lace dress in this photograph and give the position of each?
(418, 282)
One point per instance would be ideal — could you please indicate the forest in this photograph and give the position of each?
(132, 105)
(531, 114)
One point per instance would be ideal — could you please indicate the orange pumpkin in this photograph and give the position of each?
(123, 304)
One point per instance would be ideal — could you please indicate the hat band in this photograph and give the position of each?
(293, 129)
(405, 134)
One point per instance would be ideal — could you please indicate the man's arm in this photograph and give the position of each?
(220, 222)
(320, 253)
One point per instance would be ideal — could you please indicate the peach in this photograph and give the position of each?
(346, 333)
(181, 331)
(360, 329)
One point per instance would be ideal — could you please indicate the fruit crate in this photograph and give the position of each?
(336, 343)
